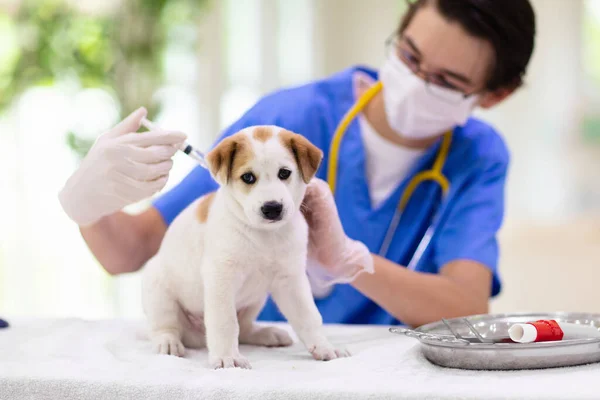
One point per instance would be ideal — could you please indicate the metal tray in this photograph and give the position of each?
(482, 345)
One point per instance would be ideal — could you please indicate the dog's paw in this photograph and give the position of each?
(267, 336)
(327, 352)
(238, 361)
(168, 343)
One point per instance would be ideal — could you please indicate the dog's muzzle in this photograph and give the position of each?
(272, 210)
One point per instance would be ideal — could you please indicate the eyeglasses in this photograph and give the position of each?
(437, 84)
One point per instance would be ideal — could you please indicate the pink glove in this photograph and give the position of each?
(332, 256)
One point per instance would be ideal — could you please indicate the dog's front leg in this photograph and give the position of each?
(293, 296)
(220, 318)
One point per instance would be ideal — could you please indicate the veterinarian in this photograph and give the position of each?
(446, 58)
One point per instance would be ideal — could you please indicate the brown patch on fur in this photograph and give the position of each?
(226, 159)
(307, 155)
(204, 207)
(262, 133)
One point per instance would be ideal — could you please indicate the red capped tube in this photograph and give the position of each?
(550, 330)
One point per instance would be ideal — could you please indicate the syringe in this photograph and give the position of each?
(185, 147)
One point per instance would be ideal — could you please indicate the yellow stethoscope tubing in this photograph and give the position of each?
(334, 150)
(432, 175)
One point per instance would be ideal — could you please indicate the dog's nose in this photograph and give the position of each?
(271, 210)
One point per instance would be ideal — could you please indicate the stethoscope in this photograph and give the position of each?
(432, 175)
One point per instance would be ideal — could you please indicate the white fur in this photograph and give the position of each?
(209, 281)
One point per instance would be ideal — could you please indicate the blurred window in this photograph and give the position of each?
(68, 71)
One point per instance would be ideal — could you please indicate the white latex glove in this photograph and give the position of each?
(122, 168)
(332, 256)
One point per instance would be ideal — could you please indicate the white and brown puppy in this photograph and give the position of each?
(228, 250)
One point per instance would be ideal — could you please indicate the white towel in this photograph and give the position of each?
(76, 359)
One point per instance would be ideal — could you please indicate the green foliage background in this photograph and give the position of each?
(591, 51)
(120, 52)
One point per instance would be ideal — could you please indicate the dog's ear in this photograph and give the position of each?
(220, 159)
(228, 156)
(307, 155)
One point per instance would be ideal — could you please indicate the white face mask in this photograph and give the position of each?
(416, 109)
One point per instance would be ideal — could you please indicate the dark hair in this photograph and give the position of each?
(509, 25)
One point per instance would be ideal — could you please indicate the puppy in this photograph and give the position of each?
(223, 255)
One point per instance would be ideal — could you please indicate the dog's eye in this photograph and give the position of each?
(248, 178)
(284, 173)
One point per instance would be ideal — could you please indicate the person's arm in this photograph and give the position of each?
(122, 168)
(123, 243)
(465, 248)
(461, 288)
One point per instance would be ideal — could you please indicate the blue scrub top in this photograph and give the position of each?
(470, 216)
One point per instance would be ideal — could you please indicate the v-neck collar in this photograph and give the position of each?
(354, 159)
(424, 162)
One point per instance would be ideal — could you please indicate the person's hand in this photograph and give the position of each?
(122, 168)
(332, 256)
